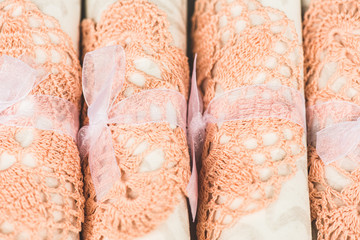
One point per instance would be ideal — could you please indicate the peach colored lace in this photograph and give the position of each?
(245, 162)
(331, 44)
(40, 176)
(144, 197)
(103, 76)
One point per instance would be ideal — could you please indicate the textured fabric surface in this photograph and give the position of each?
(67, 12)
(331, 44)
(253, 178)
(176, 15)
(40, 176)
(148, 202)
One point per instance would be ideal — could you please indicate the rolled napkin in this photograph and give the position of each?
(253, 178)
(148, 200)
(40, 174)
(331, 43)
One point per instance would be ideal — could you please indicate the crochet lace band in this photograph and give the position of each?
(20, 109)
(248, 102)
(103, 77)
(341, 137)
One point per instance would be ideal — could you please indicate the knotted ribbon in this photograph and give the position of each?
(335, 130)
(248, 102)
(196, 134)
(20, 109)
(103, 78)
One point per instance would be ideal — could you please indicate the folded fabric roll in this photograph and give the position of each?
(148, 201)
(331, 43)
(41, 194)
(253, 178)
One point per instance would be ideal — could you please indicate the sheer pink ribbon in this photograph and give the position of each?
(196, 134)
(103, 77)
(248, 102)
(20, 109)
(335, 130)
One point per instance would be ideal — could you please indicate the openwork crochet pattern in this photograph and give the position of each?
(245, 162)
(153, 158)
(331, 46)
(40, 176)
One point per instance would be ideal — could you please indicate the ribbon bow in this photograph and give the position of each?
(196, 134)
(103, 77)
(20, 109)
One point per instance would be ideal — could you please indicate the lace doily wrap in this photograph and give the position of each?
(19, 109)
(331, 60)
(248, 102)
(103, 76)
(253, 175)
(340, 138)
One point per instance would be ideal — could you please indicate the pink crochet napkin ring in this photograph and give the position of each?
(334, 128)
(103, 77)
(248, 102)
(20, 109)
